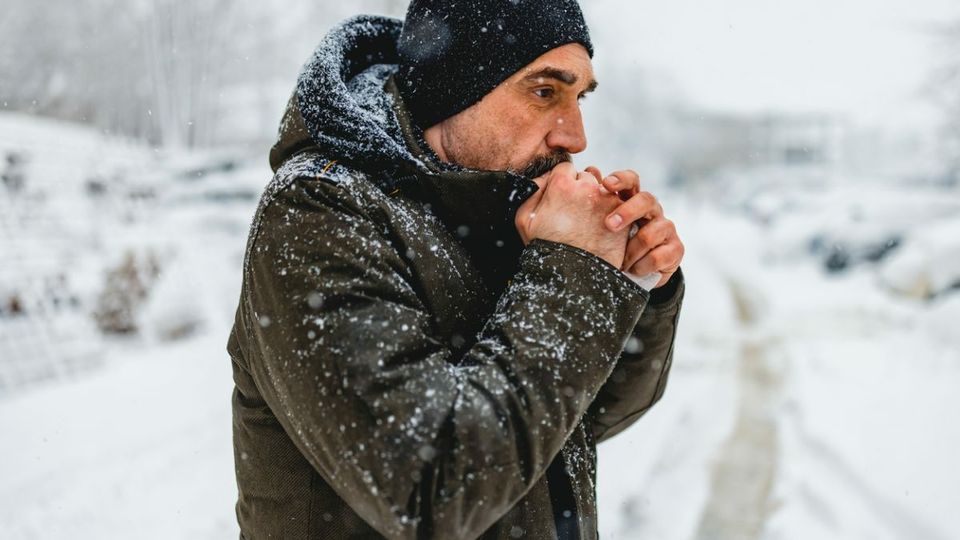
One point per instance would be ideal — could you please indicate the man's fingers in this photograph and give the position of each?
(566, 169)
(640, 206)
(649, 237)
(626, 183)
(593, 175)
(664, 259)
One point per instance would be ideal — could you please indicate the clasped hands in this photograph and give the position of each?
(595, 213)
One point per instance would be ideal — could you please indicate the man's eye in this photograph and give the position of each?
(545, 93)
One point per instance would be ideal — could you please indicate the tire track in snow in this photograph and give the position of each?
(743, 473)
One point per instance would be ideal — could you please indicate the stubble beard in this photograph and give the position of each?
(541, 165)
(476, 156)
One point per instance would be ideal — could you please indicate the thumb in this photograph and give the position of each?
(542, 181)
(528, 209)
(534, 200)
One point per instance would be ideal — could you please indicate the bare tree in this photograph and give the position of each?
(151, 69)
(165, 71)
(945, 88)
(186, 45)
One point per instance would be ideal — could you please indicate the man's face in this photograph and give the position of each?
(527, 124)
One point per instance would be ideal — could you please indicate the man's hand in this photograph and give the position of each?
(569, 208)
(656, 247)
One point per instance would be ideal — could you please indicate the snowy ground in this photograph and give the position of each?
(138, 450)
(801, 404)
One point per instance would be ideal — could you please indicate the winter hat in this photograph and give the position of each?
(454, 52)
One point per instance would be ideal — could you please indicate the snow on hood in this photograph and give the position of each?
(340, 105)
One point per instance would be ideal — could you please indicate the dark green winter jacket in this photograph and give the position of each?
(405, 367)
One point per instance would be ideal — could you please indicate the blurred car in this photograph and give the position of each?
(928, 265)
(838, 252)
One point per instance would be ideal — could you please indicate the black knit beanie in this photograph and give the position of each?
(454, 52)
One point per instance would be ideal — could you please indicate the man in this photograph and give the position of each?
(428, 343)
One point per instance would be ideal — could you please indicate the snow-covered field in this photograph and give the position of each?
(802, 403)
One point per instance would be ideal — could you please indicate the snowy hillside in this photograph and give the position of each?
(808, 399)
(92, 227)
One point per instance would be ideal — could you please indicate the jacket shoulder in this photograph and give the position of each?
(307, 165)
(320, 175)
(308, 179)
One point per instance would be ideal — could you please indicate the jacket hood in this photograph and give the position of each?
(340, 107)
(347, 108)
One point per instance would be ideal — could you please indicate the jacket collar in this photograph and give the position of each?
(473, 204)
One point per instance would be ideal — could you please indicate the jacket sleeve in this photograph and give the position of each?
(640, 376)
(417, 441)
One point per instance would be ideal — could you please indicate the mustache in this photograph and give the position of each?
(541, 165)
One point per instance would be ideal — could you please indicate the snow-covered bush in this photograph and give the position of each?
(126, 289)
(176, 307)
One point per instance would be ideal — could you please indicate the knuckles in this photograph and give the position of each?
(632, 177)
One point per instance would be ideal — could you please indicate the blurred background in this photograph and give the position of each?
(809, 153)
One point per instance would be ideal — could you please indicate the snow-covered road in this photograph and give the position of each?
(824, 411)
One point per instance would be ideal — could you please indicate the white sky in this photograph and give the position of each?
(865, 58)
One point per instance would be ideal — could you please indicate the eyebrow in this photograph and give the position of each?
(561, 75)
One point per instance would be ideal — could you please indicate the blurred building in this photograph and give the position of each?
(814, 148)
(708, 143)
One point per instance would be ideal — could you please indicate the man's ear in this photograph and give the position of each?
(433, 136)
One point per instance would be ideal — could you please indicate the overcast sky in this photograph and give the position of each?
(865, 58)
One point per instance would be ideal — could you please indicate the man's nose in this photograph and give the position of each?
(568, 134)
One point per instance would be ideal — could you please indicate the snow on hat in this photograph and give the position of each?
(454, 52)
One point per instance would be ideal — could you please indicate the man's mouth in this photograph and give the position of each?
(541, 165)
